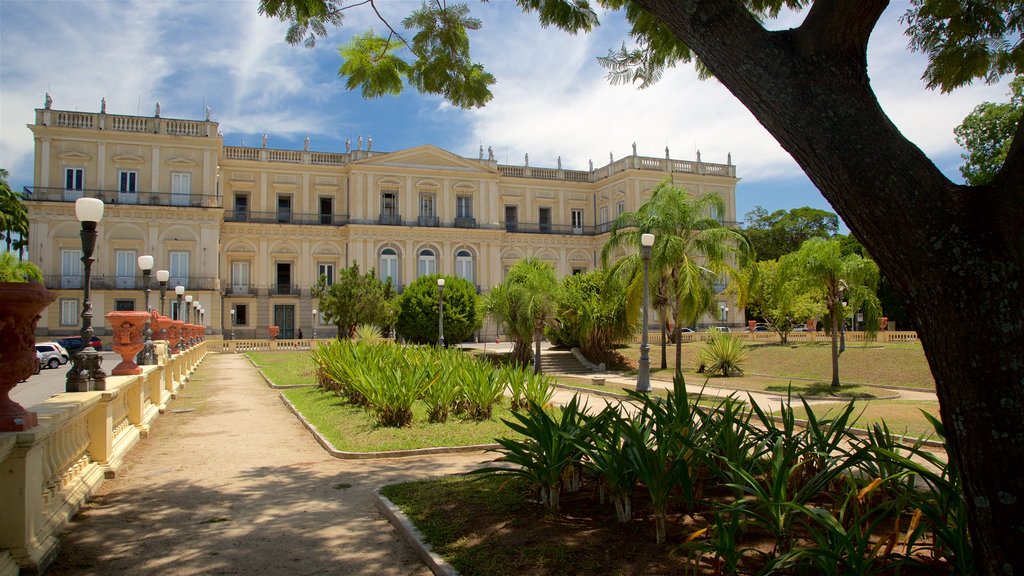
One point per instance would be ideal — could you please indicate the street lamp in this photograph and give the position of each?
(314, 323)
(726, 316)
(440, 312)
(188, 307)
(179, 291)
(643, 381)
(162, 276)
(232, 323)
(146, 356)
(85, 373)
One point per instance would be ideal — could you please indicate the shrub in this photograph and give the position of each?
(417, 316)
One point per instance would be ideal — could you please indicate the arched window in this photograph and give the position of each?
(464, 265)
(427, 262)
(389, 265)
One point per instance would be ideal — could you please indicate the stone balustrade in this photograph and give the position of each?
(49, 471)
(654, 336)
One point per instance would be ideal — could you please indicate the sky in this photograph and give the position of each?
(551, 101)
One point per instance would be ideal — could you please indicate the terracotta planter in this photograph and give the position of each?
(174, 335)
(274, 331)
(127, 340)
(20, 305)
(159, 324)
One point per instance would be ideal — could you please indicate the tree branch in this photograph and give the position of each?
(839, 27)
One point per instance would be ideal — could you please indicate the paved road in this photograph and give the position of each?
(51, 381)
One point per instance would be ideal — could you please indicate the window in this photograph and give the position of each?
(604, 214)
(326, 210)
(620, 208)
(511, 218)
(241, 314)
(463, 206)
(544, 219)
(577, 221)
(240, 277)
(427, 262)
(464, 265)
(326, 270)
(389, 208)
(127, 180)
(715, 215)
(389, 265)
(241, 207)
(124, 305)
(126, 262)
(74, 178)
(68, 312)
(181, 188)
(284, 209)
(179, 269)
(427, 211)
(70, 268)
(284, 277)
(576, 271)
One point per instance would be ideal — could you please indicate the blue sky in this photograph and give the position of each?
(551, 99)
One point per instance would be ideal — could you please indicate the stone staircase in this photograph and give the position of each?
(560, 362)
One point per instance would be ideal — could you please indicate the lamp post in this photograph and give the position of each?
(440, 312)
(726, 316)
(85, 373)
(146, 356)
(314, 323)
(179, 291)
(188, 307)
(232, 323)
(162, 276)
(195, 320)
(643, 381)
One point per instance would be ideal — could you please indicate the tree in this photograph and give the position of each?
(808, 86)
(783, 231)
(840, 283)
(592, 314)
(525, 302)
(355, 299)
(691, 251)
(13, 216)
(780, 301)
(987, 132)
(417, 317)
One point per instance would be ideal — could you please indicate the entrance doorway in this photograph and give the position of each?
(284, 318)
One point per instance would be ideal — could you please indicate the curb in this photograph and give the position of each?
(269, 382)
(343, 455)
(413, 537)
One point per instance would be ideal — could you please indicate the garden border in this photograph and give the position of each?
(412, 536)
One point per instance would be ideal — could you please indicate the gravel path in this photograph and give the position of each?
(229, 482)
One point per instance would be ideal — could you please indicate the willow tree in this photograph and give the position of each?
(691, 251)
(954, 253)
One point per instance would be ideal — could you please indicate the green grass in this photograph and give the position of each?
(902, 416)
(353, 429)
(286, 368)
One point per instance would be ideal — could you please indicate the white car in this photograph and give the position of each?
(53, 354)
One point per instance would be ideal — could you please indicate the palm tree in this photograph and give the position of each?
(841, 283)
(691, 249)
(525, 302)
(13, 215)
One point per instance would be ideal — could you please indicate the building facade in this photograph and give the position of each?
(249, 230)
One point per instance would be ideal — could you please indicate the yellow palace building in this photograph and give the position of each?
(248, 230)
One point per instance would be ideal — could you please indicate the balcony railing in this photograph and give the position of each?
(390, 220)
(240, 290)
(305, 219)
(74, 282)
(116, 197)
(430, 221)
(465, 222)
(284, 290)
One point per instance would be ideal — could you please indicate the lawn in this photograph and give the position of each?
(901, 416)
(900, 365)
(286, 368)
(352, 429)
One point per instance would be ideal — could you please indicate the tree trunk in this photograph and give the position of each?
(955, 254)
(834, 322)
(679, 352)
(664, 347)
(536, 353)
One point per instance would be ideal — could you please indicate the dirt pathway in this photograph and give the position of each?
(229, 482)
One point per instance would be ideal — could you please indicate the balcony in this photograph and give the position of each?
(432, 221)
(235, 289)
(465, 222)
(283, 290)
(390, 219)
(302, 219)
(74, 282)
(549, 228)
(115, 197)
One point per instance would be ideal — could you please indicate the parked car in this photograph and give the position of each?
(685, 330)
(719, 329)
(762, 327)
(39, 364)
(74, 343)
(800, 328)
(52, 354)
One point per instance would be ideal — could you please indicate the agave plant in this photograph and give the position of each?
(547, 449)
(602, 441)
(723, 354)
(369, 334)
(482, 387)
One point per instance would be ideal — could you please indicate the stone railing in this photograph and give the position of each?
(654, 336)
(49, 471)
(259, 345)
(120, 123)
